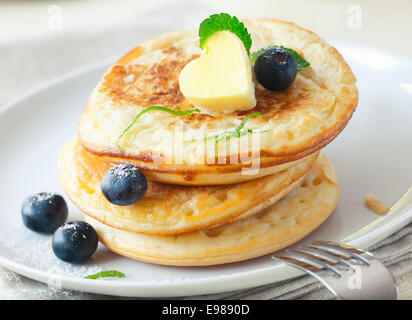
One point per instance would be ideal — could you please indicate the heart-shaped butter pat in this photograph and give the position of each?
(221, 78)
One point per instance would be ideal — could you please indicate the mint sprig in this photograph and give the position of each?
(300, 62)
(253, 56)
(238, 132)
(177, 112)
(224, 22)
(106, 274)
(230, 134)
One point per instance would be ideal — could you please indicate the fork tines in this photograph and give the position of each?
(347, 272)
(322, 255)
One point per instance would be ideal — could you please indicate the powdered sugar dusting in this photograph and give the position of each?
(72, 230)
(70, 226)
(128, 78)
(123, 170)
(35, 250)
(43, 196)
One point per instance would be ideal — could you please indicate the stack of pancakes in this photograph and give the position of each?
(205, 208)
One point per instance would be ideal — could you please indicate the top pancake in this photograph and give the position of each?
(294, 123)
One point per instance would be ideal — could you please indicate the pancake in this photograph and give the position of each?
(294, 123)
(170, 209)
(276, 227)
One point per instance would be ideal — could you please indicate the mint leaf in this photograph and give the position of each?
(222, 22)
(152, 108)
(253, 56)
(106, 274)
(300, 62)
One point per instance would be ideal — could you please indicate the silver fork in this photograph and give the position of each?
(347, 272)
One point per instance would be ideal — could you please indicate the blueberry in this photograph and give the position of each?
(44, 212)
(75, 241)
(124, 185)
(275, 69)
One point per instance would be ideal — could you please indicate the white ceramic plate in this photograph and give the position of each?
(372, 155)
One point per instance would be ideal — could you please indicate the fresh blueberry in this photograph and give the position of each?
(75, 241)
(124, 185)
(44, 212)
(275, 69)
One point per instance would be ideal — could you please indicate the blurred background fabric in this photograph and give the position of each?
(41, 40)
(27, 25)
